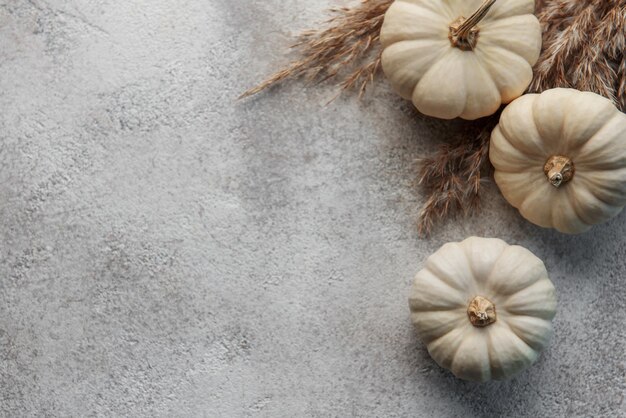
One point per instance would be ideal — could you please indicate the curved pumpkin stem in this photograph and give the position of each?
(463, 32)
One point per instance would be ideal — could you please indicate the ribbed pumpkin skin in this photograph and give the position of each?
(512, 278)
(446, 82)
(581, 125)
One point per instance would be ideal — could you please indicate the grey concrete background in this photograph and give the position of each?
(168, 251)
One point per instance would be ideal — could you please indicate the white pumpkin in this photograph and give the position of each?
(560, 158)
(450, 66)
(483, 308)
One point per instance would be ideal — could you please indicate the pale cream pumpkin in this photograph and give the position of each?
(460, 58)
(483, 308)
(560, 158)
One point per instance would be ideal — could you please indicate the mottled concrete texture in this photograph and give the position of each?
(168, 251)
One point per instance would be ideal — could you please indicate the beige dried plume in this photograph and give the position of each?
(452, 179)
(583, 48)
(346, 49)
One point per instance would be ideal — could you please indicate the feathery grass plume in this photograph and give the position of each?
(583, 48)
(452, 178)
(346, 49)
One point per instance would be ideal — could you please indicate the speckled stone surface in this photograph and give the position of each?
(168, 251)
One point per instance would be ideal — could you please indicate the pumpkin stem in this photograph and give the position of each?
(559, 170)
(463, 32)
(481, 312)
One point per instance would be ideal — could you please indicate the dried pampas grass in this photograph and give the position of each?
(583, 48)
(346, 49)
(452, 179)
